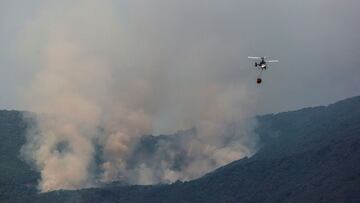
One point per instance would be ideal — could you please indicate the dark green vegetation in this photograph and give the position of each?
(309, 155)
(17, 180)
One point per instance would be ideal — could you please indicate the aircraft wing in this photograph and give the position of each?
(254, 57)
(272, 61)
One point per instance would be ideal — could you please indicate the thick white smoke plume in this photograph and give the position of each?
(109, 73)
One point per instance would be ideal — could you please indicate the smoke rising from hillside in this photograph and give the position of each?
(106, 79)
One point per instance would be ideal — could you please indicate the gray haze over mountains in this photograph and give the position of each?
(316, 41)
(104, 73)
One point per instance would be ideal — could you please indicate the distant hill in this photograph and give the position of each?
(17, 179)
(309, 155)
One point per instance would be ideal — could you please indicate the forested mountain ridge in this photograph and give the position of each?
(308, 155)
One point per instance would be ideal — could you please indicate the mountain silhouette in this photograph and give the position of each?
(308, 155)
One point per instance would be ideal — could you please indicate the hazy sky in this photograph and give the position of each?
(316, 41)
